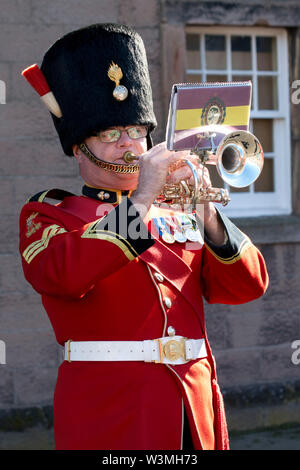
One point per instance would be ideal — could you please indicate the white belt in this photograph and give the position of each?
(168, 350)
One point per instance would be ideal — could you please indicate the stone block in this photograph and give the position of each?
(36, 347)
(27, 42)
(286, 413)
(260, 417)
(6, 196)
(280, 324)
(276, 363)
(233, 13)
(10, 271)
(246, 366)
(35, 385)
(216, 325)
(173, 58)
(9, 234)
(15, 11)
(243, 329)
(138, 13)
(36, 157)
(20, 120)
(6, 386)
(74, 12)
(23, 310)
(273, 258)
(290, 261)
(151, 38)
(244, 419)
(238, 366)
(282, 296)
(155, 77)
(19, 419)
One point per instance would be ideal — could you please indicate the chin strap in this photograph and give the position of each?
(115, 167)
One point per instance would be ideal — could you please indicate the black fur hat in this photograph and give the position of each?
(76, 69)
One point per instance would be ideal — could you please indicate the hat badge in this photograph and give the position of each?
(115, 73)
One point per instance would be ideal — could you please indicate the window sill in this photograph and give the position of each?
(270, 230)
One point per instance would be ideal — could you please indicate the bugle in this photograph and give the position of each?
(237, 154)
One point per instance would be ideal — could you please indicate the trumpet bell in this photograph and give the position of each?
(239, 159)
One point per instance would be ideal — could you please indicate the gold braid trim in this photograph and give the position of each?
(116, 167)
(246, 243)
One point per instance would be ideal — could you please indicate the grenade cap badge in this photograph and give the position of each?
(115, 73)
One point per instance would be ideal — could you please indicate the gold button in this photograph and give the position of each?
(158, 277)
(167, 302)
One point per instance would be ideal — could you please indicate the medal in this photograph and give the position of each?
(163, 230)
(186, 225)
(180, 237)
(192, 235)
(194, 231)
(190, 228)
(167, 235)
(178, 231)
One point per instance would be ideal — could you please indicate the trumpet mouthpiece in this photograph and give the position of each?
(128, 157)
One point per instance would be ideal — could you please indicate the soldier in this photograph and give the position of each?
(124, 299)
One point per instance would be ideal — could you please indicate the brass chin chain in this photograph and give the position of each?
(115, 167)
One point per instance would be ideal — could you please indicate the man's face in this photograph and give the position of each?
(110, 152)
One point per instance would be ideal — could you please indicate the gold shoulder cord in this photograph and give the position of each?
(116, 167)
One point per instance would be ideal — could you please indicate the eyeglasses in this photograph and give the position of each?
(113, 135)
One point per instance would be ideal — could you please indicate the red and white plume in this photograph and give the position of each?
(37, 80)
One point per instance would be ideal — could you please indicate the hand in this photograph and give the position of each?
(181, 171)
(154, 168)
(206, 210)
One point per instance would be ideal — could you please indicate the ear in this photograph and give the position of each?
(77, 152)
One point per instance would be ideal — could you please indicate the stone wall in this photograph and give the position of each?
(252, 342)
(32, 160)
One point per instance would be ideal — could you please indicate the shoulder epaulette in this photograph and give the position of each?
(57, 194)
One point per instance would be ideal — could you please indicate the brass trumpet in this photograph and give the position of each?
(238, 156)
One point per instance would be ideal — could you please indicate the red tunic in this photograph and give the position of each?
(98, 284)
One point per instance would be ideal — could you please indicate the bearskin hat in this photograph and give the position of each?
(76, 68)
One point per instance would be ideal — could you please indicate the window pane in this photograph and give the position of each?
(263, 130)
(265, 182)
(267, 93)
(215, 47)
(193, 78)
(266, 53)
(193, 51)
(241, 52)
(216, 78)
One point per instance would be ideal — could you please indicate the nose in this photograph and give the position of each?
(125, 140)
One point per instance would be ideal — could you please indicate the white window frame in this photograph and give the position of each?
(264, 203)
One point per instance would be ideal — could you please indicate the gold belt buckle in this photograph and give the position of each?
(172, 350)
(67, 346)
